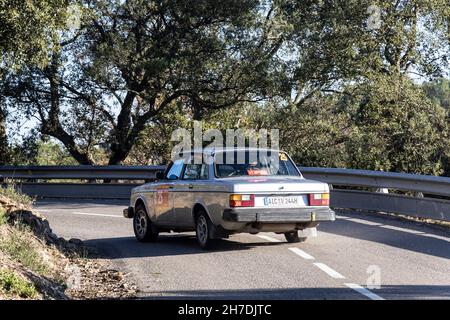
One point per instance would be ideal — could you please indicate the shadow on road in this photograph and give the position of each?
(395, 238)
(167, 245)
(387, 292)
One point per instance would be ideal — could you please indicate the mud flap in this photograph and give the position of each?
(308, 233)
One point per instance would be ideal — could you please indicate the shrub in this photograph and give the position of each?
(11, 284)
(14, 195)
(19, 248)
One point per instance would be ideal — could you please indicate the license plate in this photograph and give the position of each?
(281, 201)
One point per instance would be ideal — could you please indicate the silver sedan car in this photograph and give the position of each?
(229, 191)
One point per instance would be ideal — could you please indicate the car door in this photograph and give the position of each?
(164, 196)
(187, 192)
(182, 202)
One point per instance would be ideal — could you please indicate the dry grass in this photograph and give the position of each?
(11, 193)
(19, 247)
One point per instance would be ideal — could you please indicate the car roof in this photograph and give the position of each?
(212, 151)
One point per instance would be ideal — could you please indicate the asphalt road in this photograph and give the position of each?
(345, 260)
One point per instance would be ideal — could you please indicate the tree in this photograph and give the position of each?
(154, 145)
(334, 43)
(133, 59)
(397, 128)
(27, 30)
(439, 92)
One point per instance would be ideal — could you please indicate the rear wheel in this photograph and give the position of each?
(203, 227)
(144, 229)
(292, 237)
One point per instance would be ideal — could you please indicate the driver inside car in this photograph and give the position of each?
(254, 169)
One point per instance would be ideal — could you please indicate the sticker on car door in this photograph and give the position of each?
(162, 197)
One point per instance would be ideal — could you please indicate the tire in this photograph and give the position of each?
(144, 229)
(203, 227)
(292, 237)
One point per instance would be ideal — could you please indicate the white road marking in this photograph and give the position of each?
(390, 227)
(96, 214)
(416, 232)
(268, 238)
(436, 237)
(331, 272)
(369, 294)
(402, 229)
(369, 223)
(302, 253)
(342, 217)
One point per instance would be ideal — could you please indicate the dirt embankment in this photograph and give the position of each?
(37, 264)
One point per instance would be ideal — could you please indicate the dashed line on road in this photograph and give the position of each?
(331, 272)
(302, 253)
(436, 237)
(395, 228)
(416, 232)
(366, 222)
(403, 229)
(96, 214)
(328, 270)
(82, 213)
(369, 294)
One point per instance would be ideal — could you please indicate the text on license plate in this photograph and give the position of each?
(284, 201)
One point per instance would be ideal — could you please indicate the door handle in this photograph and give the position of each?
(170, 187)
(191, 186)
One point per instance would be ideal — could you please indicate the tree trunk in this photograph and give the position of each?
(5, 157)
(51, 125)
(121, 145)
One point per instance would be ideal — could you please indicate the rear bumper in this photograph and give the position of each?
(279, 215)
(128, 212)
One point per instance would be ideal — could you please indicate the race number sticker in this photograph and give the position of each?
(162, 197)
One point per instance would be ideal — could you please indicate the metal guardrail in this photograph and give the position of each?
(80, 172)
(380, 179)
(423, 207)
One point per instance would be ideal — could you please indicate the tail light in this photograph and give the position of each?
(319, 199)
(242, 200)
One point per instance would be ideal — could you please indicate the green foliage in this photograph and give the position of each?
(28, 29)
(12, 284)
(337, 41)
(19, 248)
(3, 218)
(13, 194)
(154, 144)
(315, 134)
(333, 76)
(398, 128)
(387, 124)
(24, 152)
(46, 152)
(439, 92)
(133, 59)
(50, 153)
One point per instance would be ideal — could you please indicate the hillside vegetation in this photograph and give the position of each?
(36, 264)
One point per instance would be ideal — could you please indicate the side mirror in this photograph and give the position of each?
(159, 175)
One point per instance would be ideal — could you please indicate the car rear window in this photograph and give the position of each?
(253, 163)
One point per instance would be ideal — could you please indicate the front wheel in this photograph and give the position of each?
(203, 228)
(292, 237)
(144, 229)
